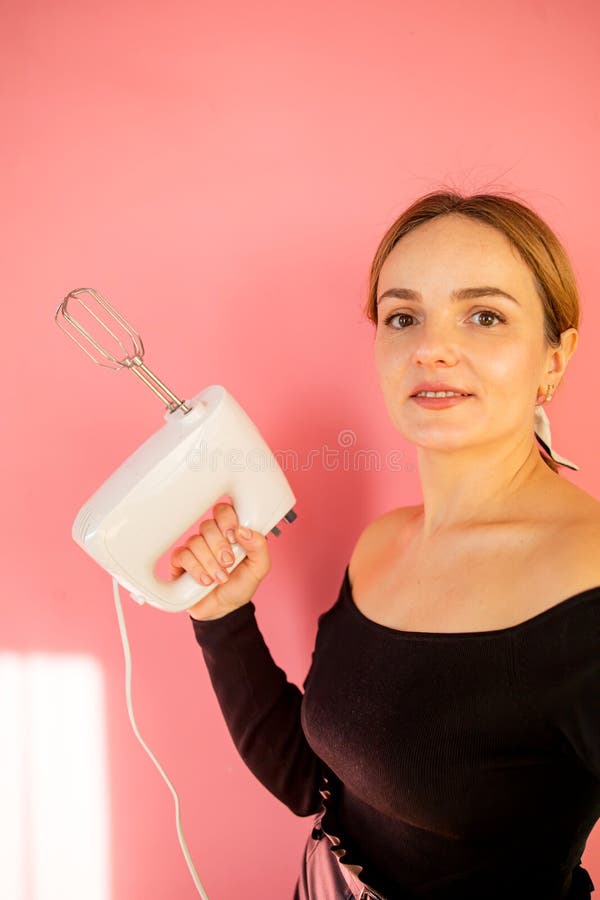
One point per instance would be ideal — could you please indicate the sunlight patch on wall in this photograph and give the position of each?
(54, 818)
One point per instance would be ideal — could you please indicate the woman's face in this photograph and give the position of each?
(490, 346)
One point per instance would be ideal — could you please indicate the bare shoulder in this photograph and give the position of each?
(574, 537)
(378, 536)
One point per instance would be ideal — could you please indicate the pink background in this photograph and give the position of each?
(223, 173)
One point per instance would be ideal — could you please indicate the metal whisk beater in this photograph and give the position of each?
(132, 359)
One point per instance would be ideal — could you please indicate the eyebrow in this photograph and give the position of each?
(462, 294)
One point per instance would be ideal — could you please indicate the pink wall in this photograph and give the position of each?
(223, 173)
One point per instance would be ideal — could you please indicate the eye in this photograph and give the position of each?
(396, 316)
(481, 312)
(489, 312)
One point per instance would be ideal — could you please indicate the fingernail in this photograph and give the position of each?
(245, 532)
(226, 558)
(221, 576)
(230, 535)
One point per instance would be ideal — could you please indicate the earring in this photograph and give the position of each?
(548, 397)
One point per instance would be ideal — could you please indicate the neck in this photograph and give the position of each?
(472, 486)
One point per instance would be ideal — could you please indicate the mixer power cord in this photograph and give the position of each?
(127, 654)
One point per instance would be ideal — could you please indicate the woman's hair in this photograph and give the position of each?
(528, 233)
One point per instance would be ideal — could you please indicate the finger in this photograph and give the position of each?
(191, 563)
(217, 543)
(174, 565)
(213, 567)
(227, 520)
(175, 570)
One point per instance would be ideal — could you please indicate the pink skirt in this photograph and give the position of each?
(323, 876)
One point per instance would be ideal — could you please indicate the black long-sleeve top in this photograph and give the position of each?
(449, 766)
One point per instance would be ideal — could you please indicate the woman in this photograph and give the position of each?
(448, 738)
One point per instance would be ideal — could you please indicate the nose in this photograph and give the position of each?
(434, 343)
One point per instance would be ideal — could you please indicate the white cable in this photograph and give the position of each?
(127, 654)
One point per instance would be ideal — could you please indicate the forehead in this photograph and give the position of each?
(455, 251)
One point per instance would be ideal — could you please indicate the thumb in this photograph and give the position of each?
(256, 548)
(246, 536)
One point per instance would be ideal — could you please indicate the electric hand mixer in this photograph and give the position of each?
(174, 477)
(166, 485)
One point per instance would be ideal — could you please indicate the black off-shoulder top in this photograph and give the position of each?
(447, 766)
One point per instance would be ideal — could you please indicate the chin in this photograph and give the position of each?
(435, 441)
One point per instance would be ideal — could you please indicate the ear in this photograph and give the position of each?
(558, 358)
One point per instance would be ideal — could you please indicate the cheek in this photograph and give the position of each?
(499, 363)
(390, 357)
(391, 375)
(512, 368)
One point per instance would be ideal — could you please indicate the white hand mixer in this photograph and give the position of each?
(208, 448)
(170, 481)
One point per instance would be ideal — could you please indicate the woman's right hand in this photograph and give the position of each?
(200, 556)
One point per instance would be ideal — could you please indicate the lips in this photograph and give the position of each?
(439, 387)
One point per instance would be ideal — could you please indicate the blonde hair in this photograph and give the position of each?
(537, 244)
